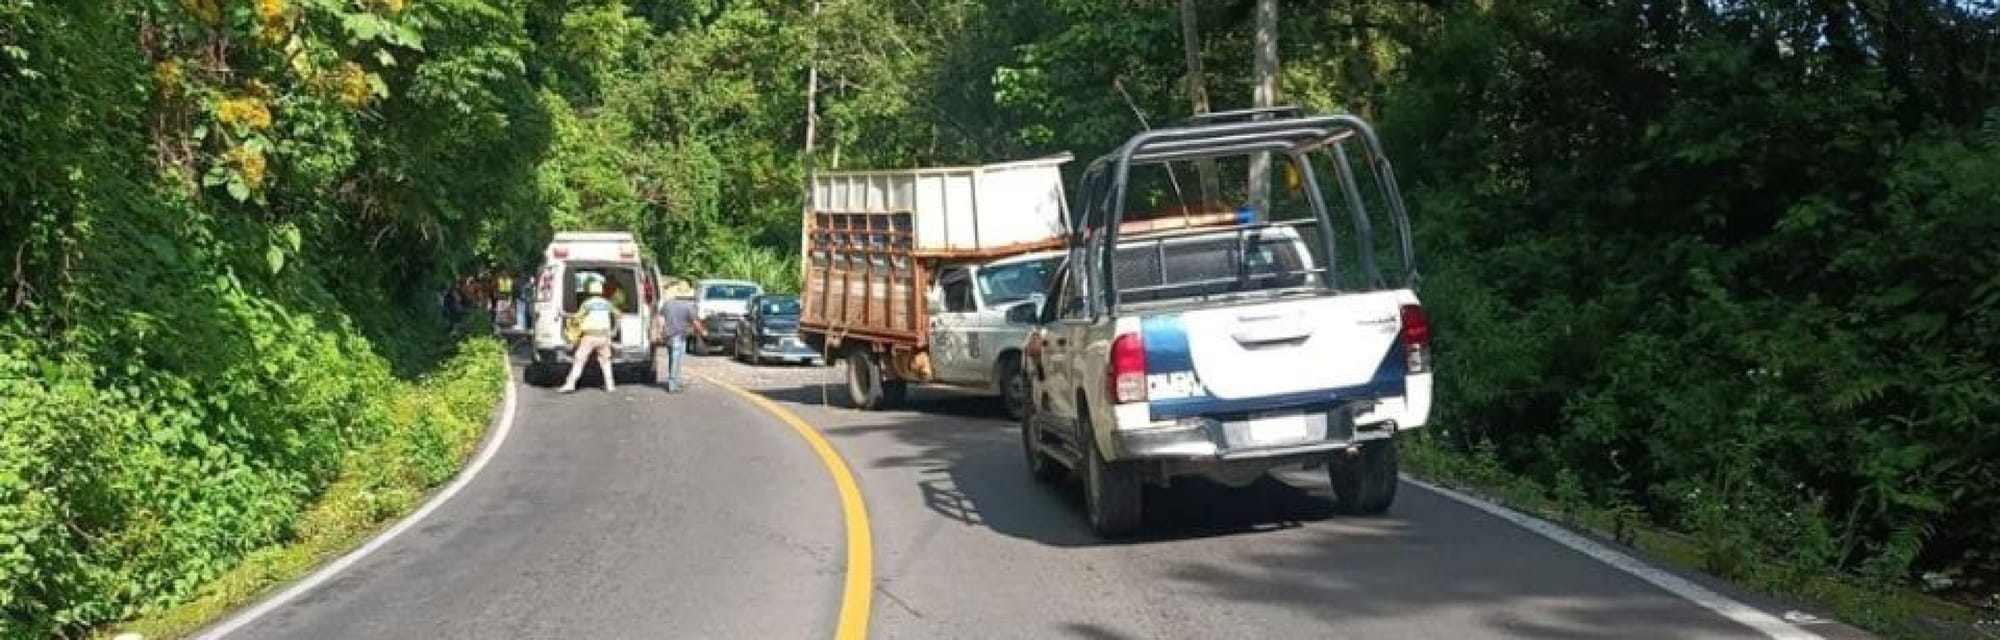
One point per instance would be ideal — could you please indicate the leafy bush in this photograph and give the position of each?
(1736, 273)
(222, 223)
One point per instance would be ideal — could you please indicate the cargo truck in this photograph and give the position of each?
(909, 275)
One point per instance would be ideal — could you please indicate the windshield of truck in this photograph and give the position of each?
(1011, 283)
(1228, 262)
(779, 307)
(730, 291)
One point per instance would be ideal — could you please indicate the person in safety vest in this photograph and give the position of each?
(595, 317)
(503, 301)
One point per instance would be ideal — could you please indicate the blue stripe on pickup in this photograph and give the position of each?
(1167, 352)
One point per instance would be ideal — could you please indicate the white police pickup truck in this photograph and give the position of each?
(1233, 345)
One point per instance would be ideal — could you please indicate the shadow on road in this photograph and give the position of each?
(968, 457)
(1427, 557)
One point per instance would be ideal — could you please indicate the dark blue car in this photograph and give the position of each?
(770, 332)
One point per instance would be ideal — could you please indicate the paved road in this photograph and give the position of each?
(634, 514)
(642, 514)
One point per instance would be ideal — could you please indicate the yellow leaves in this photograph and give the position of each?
(167, 77)
(206, 10)
(351, 83)
(247, 111)
(269, 11)
(249, 163)
(273, 25)
(391, 7)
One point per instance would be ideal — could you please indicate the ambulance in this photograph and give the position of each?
(570, 262)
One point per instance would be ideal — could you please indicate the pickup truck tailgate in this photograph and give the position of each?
(1265, 356)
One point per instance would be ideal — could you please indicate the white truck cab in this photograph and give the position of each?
(720, 305)
(570, 262)
(974, 342)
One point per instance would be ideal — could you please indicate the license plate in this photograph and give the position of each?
(1280, 428)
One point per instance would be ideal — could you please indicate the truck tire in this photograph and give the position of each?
(1110, 490)
(1364, 484)
(866, 387)
(1013, 383)
(539, 372)
(649, 373)
(894, 392)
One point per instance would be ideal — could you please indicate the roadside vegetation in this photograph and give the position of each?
(1722, 271)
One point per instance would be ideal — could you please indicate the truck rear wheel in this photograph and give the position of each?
(1364, 484)
(866, 386)
(1111, 491)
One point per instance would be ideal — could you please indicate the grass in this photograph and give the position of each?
(438, 423)
(1892, 611)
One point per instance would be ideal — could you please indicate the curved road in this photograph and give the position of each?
(643, 514)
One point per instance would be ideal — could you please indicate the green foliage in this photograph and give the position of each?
(1723, 263)
(1725, 268)
(221, 223)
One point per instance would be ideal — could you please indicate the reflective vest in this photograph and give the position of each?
(598, 316)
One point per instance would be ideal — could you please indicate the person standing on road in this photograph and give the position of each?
(677, 322)
(503, 300)
(598, 317)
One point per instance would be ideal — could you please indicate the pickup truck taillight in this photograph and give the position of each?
(1416, 340)
(1127, 380)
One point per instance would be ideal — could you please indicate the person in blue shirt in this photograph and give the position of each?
(597, 317)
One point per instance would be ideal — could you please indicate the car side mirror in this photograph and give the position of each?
(1027, 313)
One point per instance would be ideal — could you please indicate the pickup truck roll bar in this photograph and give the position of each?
(1282, 130)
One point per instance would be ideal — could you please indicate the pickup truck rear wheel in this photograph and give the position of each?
(1110, 490)
(1364, 484)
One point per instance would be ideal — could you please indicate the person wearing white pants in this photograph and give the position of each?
(595, 343)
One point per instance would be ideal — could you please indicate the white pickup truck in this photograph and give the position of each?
(1234, 348)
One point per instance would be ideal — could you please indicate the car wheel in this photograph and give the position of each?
(1110, 490)
(1364, 484)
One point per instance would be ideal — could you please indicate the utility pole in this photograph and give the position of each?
(812, 130)
(1266, 95)
(812, 93)
(1197, 93)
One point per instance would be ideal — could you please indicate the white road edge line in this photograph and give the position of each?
(1722, 605)
(465, 476)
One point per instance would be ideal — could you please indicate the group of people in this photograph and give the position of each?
(495, 292)
(674, 321)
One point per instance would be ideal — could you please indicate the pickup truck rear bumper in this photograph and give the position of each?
(1245, 438)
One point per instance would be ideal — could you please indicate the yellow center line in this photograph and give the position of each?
(859, 588)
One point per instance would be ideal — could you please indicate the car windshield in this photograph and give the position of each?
(780, 307)
(730, 291)
(1015, 282)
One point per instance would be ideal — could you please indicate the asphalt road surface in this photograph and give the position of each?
(644, 514)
